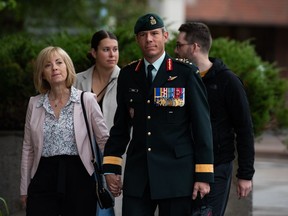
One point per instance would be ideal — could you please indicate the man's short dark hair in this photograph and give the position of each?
(197, 32)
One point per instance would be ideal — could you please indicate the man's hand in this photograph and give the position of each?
(244, 187)
(202, 187)
(114, 184)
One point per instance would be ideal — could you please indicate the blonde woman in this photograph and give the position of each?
(56, 168)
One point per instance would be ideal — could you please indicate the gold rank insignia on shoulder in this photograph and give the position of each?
(134, 61)
(173, 97)
(138, 65)
(184, 60)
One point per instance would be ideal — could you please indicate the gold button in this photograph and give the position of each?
(149, 133)
(148, 101)
(148, 117)
(131, 100)
(149, 149)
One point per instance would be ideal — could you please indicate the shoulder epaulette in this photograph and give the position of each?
(183, 60)
(134, 62)
(186, 62)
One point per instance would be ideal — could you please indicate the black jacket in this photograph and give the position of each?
(162, 152)
(230, 118)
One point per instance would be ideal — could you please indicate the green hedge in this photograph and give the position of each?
(265, 88)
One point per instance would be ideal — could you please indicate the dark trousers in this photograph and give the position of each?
(144, 206)
(220, 189)
(61, 186)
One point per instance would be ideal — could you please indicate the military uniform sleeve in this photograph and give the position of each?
(201, 128)
(120, 132)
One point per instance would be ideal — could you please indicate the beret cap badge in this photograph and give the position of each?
(148, 22)
(152, 20)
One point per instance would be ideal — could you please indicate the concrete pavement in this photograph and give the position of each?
(270, 193)
(272, 145)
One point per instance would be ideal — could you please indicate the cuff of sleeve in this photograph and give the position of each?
(109, 168)
(112, 164)
(204, 177)
(204, 173)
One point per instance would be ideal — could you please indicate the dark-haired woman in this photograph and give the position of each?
(101, 79)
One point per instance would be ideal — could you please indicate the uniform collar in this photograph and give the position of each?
(157, 63)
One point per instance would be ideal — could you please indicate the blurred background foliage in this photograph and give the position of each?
(264, 86)
(28, 26)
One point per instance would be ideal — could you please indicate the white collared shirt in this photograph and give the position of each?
(156, 65)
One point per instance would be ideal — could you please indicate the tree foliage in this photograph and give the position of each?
(7, 4)
(72, 16)
(265, 88)
(27, 27)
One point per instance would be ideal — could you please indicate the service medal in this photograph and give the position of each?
(174, 97)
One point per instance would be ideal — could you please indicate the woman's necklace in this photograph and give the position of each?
(55, 102)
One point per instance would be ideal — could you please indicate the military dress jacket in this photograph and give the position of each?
(171, 144)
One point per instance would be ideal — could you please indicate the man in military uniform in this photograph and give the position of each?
(170, 155)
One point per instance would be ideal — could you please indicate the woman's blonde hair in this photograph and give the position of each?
(41, 85)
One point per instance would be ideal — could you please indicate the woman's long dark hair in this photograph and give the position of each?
(96, 39)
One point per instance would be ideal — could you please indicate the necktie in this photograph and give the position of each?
(150, 67)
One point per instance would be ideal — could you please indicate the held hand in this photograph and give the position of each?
(244, 187)
(114, 184)
(202, 187)
(23, 200)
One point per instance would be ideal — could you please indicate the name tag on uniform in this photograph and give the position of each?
(133, 90)
(174, 97)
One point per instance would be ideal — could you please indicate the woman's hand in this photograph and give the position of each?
(114, 184)
(23, 200)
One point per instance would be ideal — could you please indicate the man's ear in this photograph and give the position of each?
(166, 35)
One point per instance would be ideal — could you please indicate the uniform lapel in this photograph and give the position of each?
(140, 75)
(163, 74)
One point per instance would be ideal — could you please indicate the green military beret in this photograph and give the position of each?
(148, 22)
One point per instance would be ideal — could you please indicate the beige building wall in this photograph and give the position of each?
(172, 11)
